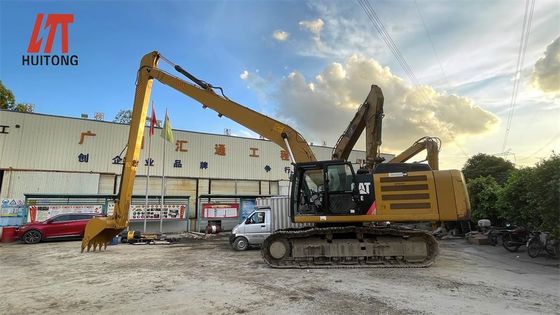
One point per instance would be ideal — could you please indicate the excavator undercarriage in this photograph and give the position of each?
(350, 247)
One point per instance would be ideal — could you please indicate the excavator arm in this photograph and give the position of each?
(277, 132)
(368, 117)
(430, 144)
(99, 231)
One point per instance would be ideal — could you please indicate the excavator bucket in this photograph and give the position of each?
(99, 232)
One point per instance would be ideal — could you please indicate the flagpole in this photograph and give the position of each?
(148, 175)
(147, 183)
(162, 184)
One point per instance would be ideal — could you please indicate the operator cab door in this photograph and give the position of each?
(340, 186)
(257, 227)
(325, 188)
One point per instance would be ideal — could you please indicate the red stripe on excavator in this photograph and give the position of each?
(373, 209)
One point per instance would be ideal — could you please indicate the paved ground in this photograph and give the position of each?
(207, 277)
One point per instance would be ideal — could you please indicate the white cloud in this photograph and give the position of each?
(246, 133)
(314, 26)
(254, 80)
(280, 35)
(338, 33)
(323, 107)
(546, 74)
(260, 85)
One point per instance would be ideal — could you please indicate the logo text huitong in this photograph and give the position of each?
(47, 59)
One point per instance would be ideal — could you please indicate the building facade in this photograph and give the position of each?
(43, 154)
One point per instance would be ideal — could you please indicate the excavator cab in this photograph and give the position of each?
(324, 188)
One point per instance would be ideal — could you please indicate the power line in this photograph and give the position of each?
(376, 21)
(526, 30)
(551, 140)
(432, 44)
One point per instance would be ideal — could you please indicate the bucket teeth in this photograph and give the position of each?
(99, 232)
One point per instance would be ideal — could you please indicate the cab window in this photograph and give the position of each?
(61, 218)
(256, 218)
(311, 191)
(79, 217)
(340, 178)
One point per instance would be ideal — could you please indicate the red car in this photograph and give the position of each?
(70, 225)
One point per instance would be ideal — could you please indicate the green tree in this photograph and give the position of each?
(514, 201)
(7, 99)
(531, 196)
(544, 193)
(487, 165)
(483, 194)
(123, 116)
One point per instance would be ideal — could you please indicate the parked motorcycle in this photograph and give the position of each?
(495, 235)
(514, 238)
(542, 240)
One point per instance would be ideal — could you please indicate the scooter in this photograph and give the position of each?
(514, 238)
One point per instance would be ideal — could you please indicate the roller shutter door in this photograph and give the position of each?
(106, 184)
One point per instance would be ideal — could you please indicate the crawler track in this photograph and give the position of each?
(350, 247)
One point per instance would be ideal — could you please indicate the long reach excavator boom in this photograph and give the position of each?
(432, 146)
(369, 117)
(99, 231)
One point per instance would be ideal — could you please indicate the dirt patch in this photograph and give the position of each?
(208, 277)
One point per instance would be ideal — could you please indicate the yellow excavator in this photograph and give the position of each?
(342, 204)
(432, 145)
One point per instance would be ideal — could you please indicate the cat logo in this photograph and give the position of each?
(364, 188)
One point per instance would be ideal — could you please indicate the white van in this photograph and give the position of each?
(270, 214)
(253, 230)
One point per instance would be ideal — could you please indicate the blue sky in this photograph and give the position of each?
(110, 38)
(310, 77)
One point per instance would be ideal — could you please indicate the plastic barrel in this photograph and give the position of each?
(116, 240)
(8, 234)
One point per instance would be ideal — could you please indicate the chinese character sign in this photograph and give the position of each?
(220, 149)
(214, 211)
(180, 146)
(118, 160)
(83, 136)
(83, 158)
(254, 152)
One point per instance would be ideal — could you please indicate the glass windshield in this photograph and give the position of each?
(310, 195)
(340, 178)
(257, 217)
